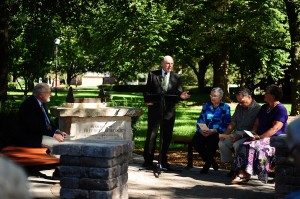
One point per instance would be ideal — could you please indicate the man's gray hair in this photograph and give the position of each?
(13, 181)
(243, 92)
(40, 88)
(218, 90)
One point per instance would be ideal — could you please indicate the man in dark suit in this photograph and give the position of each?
(160, 83)
(34, 126)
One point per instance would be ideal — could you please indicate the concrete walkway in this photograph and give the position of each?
(186, 183)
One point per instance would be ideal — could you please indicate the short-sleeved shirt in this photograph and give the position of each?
(266, 119)
(244, 118)
(215, 118)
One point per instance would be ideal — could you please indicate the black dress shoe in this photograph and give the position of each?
(215, 166)
(166, 165)
(205, 169)
(56, 174)
(147, 165)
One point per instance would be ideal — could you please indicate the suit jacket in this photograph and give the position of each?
(154, 91)
(32, 124)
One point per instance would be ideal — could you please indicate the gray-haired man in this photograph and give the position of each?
(242, 119)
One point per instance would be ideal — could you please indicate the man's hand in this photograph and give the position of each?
(60, 136)
(222, 138)
(149, 103)
(233, 138)
(185, 95)
(64, 134)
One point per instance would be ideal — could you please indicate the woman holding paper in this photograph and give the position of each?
(214, 119)
(254, 156)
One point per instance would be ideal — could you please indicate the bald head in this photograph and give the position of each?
(167, 63)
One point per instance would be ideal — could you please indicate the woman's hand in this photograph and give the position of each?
(256, 137)
(205, 133)
(208, 132)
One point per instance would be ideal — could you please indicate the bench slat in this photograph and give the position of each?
(186, 141)
(29, 156)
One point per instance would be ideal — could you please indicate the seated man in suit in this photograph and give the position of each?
(34, 126)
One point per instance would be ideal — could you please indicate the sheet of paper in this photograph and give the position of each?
(249, 133)
(203, 126)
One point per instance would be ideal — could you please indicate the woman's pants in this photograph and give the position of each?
(206, 147)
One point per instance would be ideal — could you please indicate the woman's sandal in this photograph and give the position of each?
(244, 175)
(238, 180)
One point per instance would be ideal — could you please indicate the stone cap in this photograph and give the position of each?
(94, 110)
(93, 148)
(279, 141)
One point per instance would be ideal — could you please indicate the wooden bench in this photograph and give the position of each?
(187, 141)
(30, 157)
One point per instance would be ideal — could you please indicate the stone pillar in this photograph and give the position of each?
(286, 178)
(92, 169)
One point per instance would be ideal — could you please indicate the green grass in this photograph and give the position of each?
(187, 112)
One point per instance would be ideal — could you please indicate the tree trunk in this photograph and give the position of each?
(3, 54)
(203, 64)
(69, 78)
(200, 71)
(220, 66)
(294, 54)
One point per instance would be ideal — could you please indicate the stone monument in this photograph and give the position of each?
(96, 120)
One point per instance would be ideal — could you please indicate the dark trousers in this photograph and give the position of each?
(150, 144)
(206, 147)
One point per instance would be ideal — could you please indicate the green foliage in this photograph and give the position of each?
(130, 37)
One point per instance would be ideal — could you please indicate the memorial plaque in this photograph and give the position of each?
(111, 128)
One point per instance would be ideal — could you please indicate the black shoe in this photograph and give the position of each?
(147, 165)
(230, 174)
(166, 165)
(205, 169)
(56, 174)
(215, 166)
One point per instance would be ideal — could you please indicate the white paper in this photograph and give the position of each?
(249, 133)
(203, 126)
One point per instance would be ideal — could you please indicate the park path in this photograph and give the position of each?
(185, 183)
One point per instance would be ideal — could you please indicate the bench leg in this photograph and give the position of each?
(190, 155)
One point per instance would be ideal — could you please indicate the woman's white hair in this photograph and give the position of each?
(218, 90)
(13, 181)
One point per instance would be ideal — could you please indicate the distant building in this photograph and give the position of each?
(141, 80)
(95, 79)
(92, 79)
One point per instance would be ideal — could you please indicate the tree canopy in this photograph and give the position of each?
(253, 42)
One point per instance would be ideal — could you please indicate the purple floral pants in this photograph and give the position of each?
(255, 157)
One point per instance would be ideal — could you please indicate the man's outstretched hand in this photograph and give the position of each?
(185, 95)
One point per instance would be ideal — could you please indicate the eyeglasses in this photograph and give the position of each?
(214, 96)
(242, 97)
